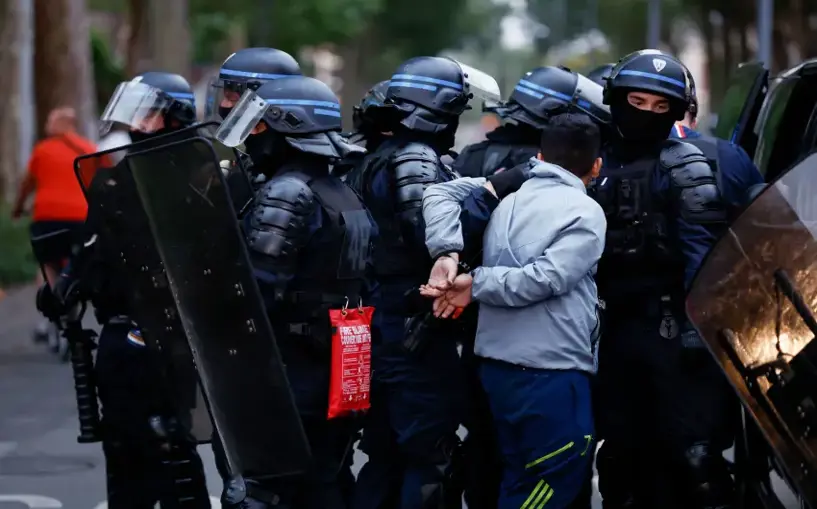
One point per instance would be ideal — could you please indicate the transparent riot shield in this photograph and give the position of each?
(122, 238)
(754, 302)
(194, 226)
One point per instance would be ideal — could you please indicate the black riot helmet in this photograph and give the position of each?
(151, 104)
(364, 113)
(600, 74)
(430, 93)
(652, 71)
(547, 91)
(298, 111)
(246, 69)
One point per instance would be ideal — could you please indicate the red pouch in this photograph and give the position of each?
(351, 374)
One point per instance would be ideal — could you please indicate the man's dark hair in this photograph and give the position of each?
(572, 141)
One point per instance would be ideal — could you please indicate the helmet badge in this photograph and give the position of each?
(659, 64)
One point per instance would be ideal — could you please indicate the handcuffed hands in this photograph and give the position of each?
(450, 298)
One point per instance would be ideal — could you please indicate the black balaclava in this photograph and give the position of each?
(224, 110)
(268, 150)
(640, 126)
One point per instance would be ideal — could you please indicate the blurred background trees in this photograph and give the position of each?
(74, 52)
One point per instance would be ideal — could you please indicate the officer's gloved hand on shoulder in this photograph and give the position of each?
(509, 181)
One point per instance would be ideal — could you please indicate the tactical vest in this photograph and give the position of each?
(641, 255)
(393, 257)
(331, 270)
(483, 159)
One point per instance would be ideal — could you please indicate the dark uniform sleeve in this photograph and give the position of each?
(696, 202)
(738, 174)
(414, 169)
(285, 216)
(476, 212)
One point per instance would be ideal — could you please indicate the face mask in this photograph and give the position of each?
(224, 111)
(640, 125)
(265, 151)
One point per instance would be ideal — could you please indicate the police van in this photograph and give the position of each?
(773, 119)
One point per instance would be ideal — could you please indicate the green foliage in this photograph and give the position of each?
(17, 263)
(107, 72)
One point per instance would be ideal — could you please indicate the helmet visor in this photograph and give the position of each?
(591, 98)
(136, 105)
(480, 83)
(222, 96)
(241, 121)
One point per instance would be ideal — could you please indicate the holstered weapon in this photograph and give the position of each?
(81, 345)
(422, 316)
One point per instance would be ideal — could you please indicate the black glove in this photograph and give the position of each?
(509, 181)
(47, 303)
(67, 291)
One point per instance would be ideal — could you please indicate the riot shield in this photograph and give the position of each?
(115, 215)
(754, 301)
(192, 219)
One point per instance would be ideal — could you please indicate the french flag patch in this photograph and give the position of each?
(135, 337)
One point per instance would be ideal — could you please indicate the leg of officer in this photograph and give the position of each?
(694, 409)
(131, 476)
(544, 422)
(482, 463)
(623, 403)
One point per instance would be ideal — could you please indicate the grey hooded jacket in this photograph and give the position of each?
(538, 300)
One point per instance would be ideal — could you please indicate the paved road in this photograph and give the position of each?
(41, 464)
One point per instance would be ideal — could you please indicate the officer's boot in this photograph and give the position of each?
(710, 484)
(616, 478)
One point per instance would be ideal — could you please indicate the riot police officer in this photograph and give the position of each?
(149, 453)
(539, 94)
(309, 238)
(366, 133)
(600, 73)
(657, 415)
(246, 69)
(417, 390)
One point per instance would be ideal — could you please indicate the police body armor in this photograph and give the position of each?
(411, 167)
(483, 159)
(331, 267)
(641, 248)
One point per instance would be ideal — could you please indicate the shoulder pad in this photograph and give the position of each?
(286, 189)
(693, 182)
(414, 152)
(687, 165)
(676, 153)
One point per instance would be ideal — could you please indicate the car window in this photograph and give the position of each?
(768, 124)
(735, 99)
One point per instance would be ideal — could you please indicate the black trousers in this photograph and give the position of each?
(141, 469)
(665, 414)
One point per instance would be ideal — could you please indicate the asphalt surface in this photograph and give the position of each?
(41, 463)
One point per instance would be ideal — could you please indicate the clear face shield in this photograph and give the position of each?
(481, 84)
(242, 120)
(591, 98)
(222, 96)
(138, 106)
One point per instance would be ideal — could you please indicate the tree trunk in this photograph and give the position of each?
(62, 62)
(11, 29)
(355, 54)
(170, 36)
(137, 57)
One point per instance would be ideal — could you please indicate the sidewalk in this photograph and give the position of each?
(18, 316)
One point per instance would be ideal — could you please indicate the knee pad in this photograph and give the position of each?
(708, 479)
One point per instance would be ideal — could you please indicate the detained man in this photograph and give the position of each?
(538, 320)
